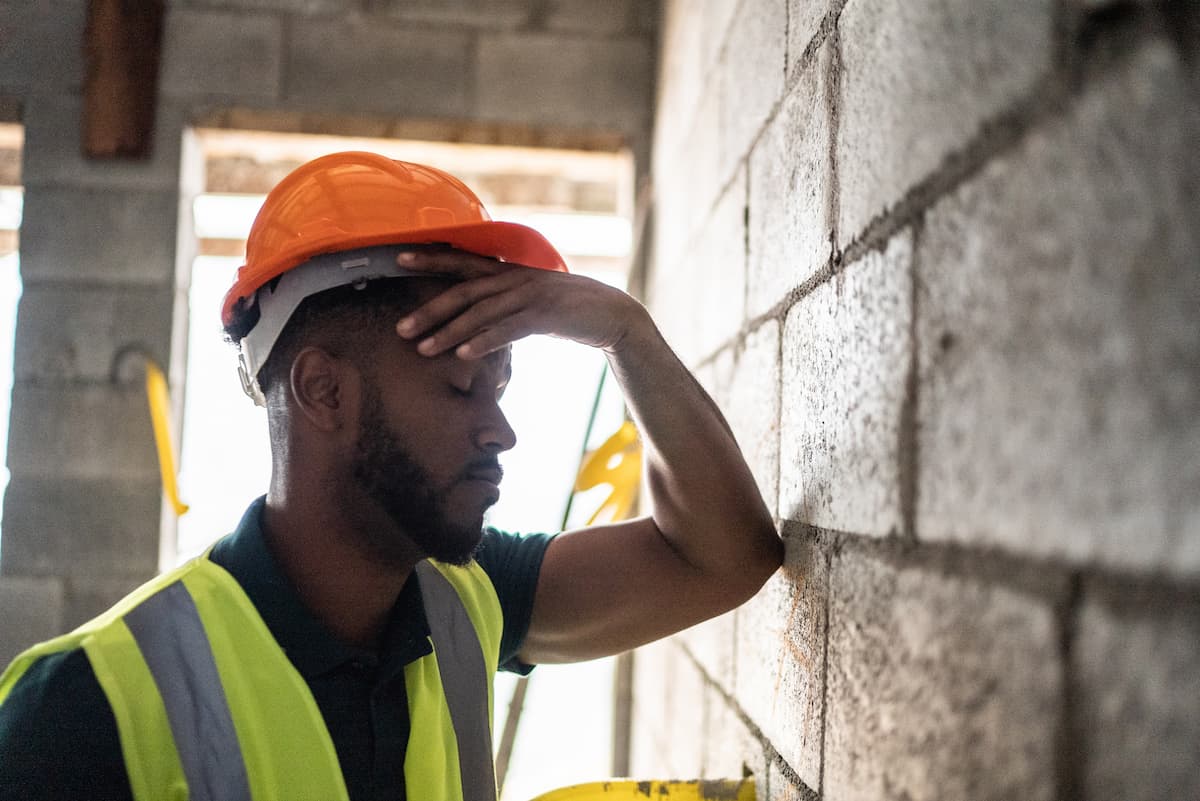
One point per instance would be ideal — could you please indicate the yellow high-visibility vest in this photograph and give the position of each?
(209, 708)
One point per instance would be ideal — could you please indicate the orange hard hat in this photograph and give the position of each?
(351, 200)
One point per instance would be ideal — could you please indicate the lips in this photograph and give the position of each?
(491, 472)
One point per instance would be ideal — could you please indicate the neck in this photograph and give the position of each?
(319, 543)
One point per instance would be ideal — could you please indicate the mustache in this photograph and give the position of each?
(487, 468)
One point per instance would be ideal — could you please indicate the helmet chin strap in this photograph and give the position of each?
(278, 300)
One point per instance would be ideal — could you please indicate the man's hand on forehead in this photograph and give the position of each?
(497, 303)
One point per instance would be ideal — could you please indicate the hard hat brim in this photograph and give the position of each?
(509, 242)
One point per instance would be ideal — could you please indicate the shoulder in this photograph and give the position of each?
(58, 736)
(506, 556)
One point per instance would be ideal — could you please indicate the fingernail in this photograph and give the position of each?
(405, 327)
(426, 347)
(407, 257)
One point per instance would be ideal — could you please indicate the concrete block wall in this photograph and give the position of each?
(938, 263)
(106, 246)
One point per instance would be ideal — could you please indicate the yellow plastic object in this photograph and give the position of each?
(630, 790)
(617, 463)
(156, 395)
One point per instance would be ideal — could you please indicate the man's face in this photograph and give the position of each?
(429, 436)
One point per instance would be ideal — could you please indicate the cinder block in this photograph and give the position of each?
(716, 22)
(30, 612)
(591, 18)
(87, 529)
(919, 79)
(751, 76)
(379, 66)
(40, 48)
(699, 303)
(728, 749)
(567, 82)
(286, 6)
(74, 333)
(713, 645)
(211, 53)
(1139, 700)
(753, 407)
(782, 787)
(668, 712)
(86, 597)
(680, 78)
(846, 360)
(938, 687)
(676, 164)
(1060, 385)
(651, 665)
(54, 150)
(81, 431)
(804, 22)
(780, 677)
(489, 14)
(98, 235)
(790, 218)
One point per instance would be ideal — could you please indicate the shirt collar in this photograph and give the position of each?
(310, 646)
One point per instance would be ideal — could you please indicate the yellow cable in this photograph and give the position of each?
(156, 395)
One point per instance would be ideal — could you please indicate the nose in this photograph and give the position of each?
(495, 435)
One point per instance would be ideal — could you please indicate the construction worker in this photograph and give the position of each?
(340, 644)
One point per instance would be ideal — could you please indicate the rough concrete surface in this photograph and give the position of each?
(789, 214)
(919, 79)
(378, 65)
(846, 361)
(99, 235)
(780, 657)
(30, 611)
(221, 54)
(72, 333)
(93, 431)
(287, 6)
(804, 22)
(53, 123)
(1060, 354)
(84, 528)
(565, 81)
(751, 77)
(1139, 702)
(678, 223)
(699, 306)
(939, 687)
(490, 14)
(39, 45)
(753, 407)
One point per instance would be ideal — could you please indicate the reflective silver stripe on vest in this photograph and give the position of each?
(465, 681)
(167, 629)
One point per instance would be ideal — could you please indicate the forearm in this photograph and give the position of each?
(703, 497)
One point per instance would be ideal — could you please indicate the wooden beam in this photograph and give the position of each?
(122, 44)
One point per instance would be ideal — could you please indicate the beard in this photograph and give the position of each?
(389, 475)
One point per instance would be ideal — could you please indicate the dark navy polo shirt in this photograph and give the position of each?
(58, 737)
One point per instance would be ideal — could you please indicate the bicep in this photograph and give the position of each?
(607, 589)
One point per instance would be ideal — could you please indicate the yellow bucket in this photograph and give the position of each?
(630, 790)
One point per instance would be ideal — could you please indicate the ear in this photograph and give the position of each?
(324, 388)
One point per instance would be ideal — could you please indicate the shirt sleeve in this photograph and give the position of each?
(58, 736)
(513, 562)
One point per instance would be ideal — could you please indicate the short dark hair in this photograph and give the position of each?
(341, 319)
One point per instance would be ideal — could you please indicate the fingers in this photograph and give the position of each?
(451, 262)
(484, 326)
(453, 302)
